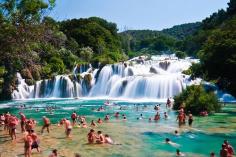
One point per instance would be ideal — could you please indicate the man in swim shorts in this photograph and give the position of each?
(68, 127)
(22, 121)
(46, 122)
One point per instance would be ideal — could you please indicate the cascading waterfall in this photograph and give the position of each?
(158, 78)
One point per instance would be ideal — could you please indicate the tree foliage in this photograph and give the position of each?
(195, 99)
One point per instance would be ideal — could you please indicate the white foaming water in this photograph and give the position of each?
(158, 78)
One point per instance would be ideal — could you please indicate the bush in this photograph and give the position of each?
(180, 54)
(57, 65)
(196, 99)
(26, 74)
(2, 71)
(46, 71)
(86, 53)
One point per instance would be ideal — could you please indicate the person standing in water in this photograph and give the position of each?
(181, 118)
(28, 143)
(190, 118)
(35, 138)
(22, 121)
(224, 152)
(73, 117)
(46, 122)
(229, 148)
(157, 117)
(168, 103)
(68, 128)
(13, 122)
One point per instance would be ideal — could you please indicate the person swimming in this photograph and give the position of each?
(212, 154)
(178, 153)
(165, 115)
(107, 118)
(108, 139)
(93, 124)
(117, 114)
(168, 141)
(124, 117)
(140, 117)
(99, 121)
(54, 153)
(177, 133)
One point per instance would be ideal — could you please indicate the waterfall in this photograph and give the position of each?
(157, 78)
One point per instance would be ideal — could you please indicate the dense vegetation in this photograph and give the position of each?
(213, 41)
(195, 99)
(183, 31)
(136, 42)
(98, 34)
(39, 47)
(217, 41)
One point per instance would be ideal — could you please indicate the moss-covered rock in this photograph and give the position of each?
(153, 70)
(88, 79)
(35, 71)
(164, 65)
(78, 77)
(71, 77)
(26, 74)
(29, 82)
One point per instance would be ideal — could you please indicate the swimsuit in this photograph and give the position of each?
(34, 145)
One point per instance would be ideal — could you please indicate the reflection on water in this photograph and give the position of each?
(138, 138)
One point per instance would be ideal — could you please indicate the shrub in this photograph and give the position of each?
(2, 71)
(180, 54)
(46, 71)
(196, 99)
(57, 65)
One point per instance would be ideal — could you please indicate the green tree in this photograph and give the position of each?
(57, 66)
(19, 29)
(180, 54)
(86, 53)
(196, 99)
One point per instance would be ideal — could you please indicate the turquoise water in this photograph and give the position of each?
(138, 137)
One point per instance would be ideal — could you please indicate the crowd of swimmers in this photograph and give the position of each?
(32, 141)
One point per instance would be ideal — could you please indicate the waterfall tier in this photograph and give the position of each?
(158, 78)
